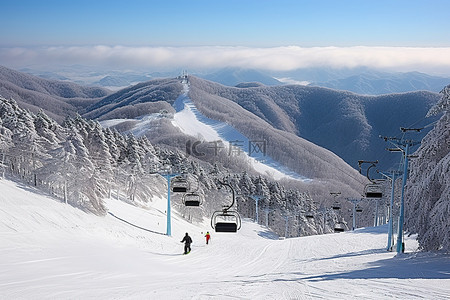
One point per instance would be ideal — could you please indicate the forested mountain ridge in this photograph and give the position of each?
(345, 123)
(57, 98)
(150, 96)
(301, 156)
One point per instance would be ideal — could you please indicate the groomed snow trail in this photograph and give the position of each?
(50, 250)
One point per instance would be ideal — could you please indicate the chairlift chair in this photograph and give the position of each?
(179, 184)
(336, 206)
(373, 191)
(192, 199)
(226, 221)
(309, 215)
(339, 227)
(358, 208)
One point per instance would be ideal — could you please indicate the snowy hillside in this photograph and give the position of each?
(57, 98)
(193, 123)
(50, 250)
(347, 124)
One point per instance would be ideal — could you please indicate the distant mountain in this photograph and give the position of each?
(315, 75)
(376, 83)
(57, 98)
(121, 80)
(359, 80)
(235, 76)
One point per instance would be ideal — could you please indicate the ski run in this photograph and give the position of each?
(50, 250)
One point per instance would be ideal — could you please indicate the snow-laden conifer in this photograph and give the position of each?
(428, 188)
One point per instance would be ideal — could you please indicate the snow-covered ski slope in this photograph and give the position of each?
(50, 250)
(192, 122)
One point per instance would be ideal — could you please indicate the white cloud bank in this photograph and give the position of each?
(430, 60)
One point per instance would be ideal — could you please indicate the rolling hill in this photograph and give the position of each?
(57, 98)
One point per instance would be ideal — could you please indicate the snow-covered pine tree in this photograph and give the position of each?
(5, 144)
(101, 157)
(428, 188)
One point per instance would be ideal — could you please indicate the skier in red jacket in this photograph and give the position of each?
(208, 236)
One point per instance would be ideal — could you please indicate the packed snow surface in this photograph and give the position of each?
(50, 250)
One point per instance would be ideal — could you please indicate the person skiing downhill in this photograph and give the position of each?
(208, 236)
(187, 243)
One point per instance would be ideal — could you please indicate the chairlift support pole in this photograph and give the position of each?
(169, 217)
(256, 198)
(391, 176)
(354, 202)
(375, 221)
(324, 219)
(400, 247)
(404, 146)
(166, 173)
(256, 209)
(286, 219)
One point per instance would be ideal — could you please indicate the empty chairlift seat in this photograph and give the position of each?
(336, 206)
(339, 227)
(373, 191)
(192, 199)
(179, 185)
(226, 221)
(225, 227)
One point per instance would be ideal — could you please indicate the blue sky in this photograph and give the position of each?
(32, 26)
(253, 23)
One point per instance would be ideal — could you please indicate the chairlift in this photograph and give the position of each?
(309, 215)
(192, 199)
(339, 227)
(226, 220)
(373, 191)
(336, 206)
(358, 208)
(179, 184)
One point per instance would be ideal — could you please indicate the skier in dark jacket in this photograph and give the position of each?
(187, 243)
